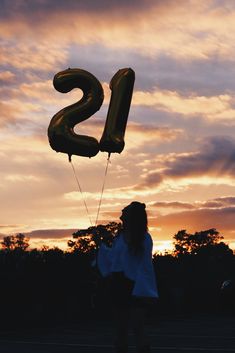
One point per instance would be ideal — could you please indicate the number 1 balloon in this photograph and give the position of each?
(61, 133)
(121, 85)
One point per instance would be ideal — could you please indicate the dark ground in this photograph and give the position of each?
(179, 334)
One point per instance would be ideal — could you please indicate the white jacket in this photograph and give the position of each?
(138, 268)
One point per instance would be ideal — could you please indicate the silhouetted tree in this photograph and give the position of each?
(218, 250)
(8, 242)
(21, 242)
(83, 244)
(186, 243)
(42, 285)
(89, 239)
(15, 242)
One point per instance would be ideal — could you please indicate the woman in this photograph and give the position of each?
(132, 280)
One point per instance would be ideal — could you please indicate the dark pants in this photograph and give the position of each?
(126, 309)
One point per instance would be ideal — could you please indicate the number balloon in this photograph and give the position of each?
(61, 135)
(121, 85)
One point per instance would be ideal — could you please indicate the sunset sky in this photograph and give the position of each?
(179, 156)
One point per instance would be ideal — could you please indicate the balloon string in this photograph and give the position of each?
(80, 189)
(102, 191)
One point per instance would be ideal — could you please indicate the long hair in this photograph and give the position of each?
(135, 222)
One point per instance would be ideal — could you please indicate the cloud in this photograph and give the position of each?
(189, 78)
(138, 135)
(184, 63)
(217, 107)
(216, 203)
(226, 200)
(173, 204)
(50, 233)
(219, 202)
(195, 220)
(215, 159)
(150, 28)
(22, 178)
(48, 237)
(27, 8)
(122, 193)
(9, 114)
(44, 56)
(153, 131)
(7, 77)
(9, 225)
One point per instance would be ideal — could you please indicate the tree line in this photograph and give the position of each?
(49, 285)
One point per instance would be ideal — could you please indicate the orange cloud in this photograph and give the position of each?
(27, 54)
(7, 76)
(213, 163)
(217, 107)
(9, 114)
(167, 27)
(173, 204)
(195, 220)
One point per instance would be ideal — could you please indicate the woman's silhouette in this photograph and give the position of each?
(128, 265)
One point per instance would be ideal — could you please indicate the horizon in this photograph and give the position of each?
(179, 155)
(159, 246)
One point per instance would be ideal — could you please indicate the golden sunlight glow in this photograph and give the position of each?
(162, 246)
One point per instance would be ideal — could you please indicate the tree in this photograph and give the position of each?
(8, 242)
(21, 242)
(219, 250)
(83, 244)
(15, 242)
(192, 244)
(89, 239)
